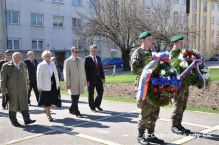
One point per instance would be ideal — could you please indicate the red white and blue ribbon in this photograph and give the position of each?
(147, 71)
(195, 64)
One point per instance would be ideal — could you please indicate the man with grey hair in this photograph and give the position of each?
(95, 78)
(32, 67)
(14, 81)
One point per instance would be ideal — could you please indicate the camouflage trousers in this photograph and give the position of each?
(148, 117)
(179, 105)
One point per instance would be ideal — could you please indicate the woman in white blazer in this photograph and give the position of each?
(47, 83)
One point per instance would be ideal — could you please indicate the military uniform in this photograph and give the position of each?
(149, 112)
(180, 101)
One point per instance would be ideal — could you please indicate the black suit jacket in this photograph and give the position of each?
(2, 62)
(31, 69)
(92, 72)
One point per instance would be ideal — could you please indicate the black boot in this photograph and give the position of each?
(26, 117)
(153, 139)
(177, 130)
(187, 131)
(141, 139)
(13, 119)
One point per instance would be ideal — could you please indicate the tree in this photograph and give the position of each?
(117, 21)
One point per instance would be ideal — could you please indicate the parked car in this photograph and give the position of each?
(215, 57)
(110, 62)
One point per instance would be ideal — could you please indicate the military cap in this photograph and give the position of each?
(7, 51)
(144, 34)
(176, 38)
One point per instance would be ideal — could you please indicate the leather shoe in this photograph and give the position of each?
(29, 121)
(79, 116)
(16, 124)
(177, 130)
(99, 108)
(51, 119)
(94, 110)
(142, 141)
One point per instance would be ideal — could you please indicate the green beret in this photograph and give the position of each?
(144, 35)
(176, 38)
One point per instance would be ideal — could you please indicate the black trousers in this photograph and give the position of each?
(74, 106)
(13, 118)
(34, 87)
(99, 88)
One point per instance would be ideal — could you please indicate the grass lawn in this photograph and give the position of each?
(124, 78)
(214, 74)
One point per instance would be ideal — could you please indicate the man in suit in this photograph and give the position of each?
(14, 78)
(7, 56)
(32, 67)
(95, 78)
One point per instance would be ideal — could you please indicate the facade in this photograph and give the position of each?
(46, 24)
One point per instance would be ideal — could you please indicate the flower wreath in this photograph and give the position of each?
(191, 67)
(158, 81)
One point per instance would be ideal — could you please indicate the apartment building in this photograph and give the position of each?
(47, 24)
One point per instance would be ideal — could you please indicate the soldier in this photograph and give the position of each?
(179, 102)
(149, 112)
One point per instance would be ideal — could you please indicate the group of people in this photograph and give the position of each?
(18, 78)
(150, 112)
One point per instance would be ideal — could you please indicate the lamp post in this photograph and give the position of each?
(187, 22)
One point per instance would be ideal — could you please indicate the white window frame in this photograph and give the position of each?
(76, 4)
(36, 17)
(13, 43)
(176, 1)
(194, 5)
(58, 1)
(11, 17)
(56, 20)
(37, 44)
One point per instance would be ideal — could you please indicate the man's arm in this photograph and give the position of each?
(66, 73)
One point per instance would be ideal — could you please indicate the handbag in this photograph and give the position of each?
(5, 99)
(59, 101)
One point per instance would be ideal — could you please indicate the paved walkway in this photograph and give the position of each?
(116, 125)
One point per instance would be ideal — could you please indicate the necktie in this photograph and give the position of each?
(33, 62)
(95, 61)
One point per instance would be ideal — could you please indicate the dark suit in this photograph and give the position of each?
(94, 75)
(32, 67)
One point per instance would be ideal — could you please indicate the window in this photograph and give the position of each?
(204, 20)
(212, 7)
(175, 15)
(205, 6)
(76, 23)
(115, 5)
(176, 1)
(194, 18)
(13, 44)
(217, 6)
(13, 17)
(36, 19)
(58, 21)
(37, 44)
(184, 2)
(212, 20)
(58, 1)
(218, 20)
(194, 5)
(212, 33)
(76, 2)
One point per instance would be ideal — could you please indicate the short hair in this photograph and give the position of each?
(29, 52)
(93, 46)
(46, 53)
(7, 51)
(73, 48)
(16, 53)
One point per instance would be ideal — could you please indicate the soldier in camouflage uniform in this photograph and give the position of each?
(180, 101)
(149, 112)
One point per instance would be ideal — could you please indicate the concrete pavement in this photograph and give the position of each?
(116, 125)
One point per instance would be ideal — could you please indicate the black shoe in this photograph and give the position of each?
(142, 141)
(154, 139)
(99, 108)
(94, 110)
(51, 119)
(29, 121)
(72, 112)
(16, 124)
(184, 129)
(79, 116)
(177, 130)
